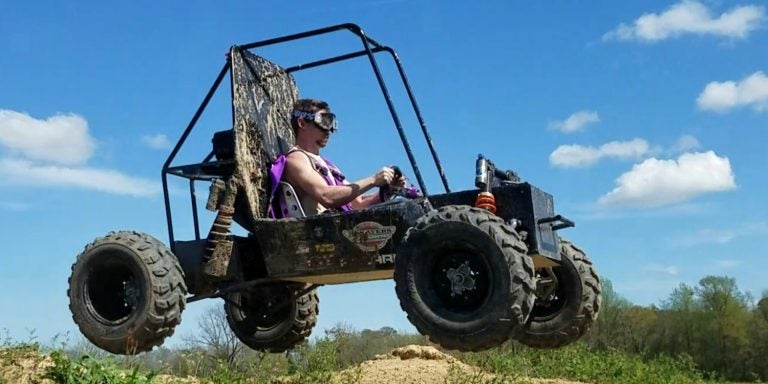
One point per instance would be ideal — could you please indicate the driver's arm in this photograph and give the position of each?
(301, 174)
(365, 201)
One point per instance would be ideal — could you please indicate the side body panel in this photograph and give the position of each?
(342, 247)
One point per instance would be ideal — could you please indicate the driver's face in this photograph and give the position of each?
(321, 135)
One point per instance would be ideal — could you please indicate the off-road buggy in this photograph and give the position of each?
(472, 269)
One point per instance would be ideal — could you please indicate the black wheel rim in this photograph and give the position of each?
(264, 309)
(113, 289)
(461, 280)
(548, 305)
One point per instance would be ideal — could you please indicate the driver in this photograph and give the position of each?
(319, 184)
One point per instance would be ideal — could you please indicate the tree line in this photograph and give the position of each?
(724, 330)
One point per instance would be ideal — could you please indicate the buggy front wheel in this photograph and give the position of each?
(464, 279)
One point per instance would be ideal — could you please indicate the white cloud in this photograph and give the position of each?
(61, 139)
(13, 206)
(690, 17)
(728, 263)
(579, 156)
(750, 91)
(686, 143)
(27, 173)
(578, 121)
(723, 235)
(158, 141)
(670, 270)
(655, 182)
(705, 237)
(53, 153)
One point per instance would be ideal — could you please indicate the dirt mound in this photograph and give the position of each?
(410, 364)
(19, 366)
(421, 352)
(424, 365)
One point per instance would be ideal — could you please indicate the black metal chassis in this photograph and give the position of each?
(523, 206)
(333, 248)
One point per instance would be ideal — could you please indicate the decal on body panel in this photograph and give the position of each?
(370, 236)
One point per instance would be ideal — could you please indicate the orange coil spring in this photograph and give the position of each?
(485, 200)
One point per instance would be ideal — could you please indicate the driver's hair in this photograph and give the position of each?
(306, 105)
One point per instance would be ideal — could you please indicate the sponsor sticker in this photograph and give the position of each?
(370, 236)
(385, 259)
(302, 248)
(325, 248)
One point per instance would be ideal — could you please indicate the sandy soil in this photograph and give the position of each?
(23, 368)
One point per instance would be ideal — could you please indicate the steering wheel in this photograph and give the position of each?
(390, 192)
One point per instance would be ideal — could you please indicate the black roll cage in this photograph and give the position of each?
(370, 47)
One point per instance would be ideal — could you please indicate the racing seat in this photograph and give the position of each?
(292, 206)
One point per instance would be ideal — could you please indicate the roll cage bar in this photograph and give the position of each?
(370, 47)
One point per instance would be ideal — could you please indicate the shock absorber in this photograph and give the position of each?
(484, 173)
(487, 201)
(218, 248)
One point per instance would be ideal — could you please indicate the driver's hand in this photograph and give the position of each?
(384, 176)
(399, 182)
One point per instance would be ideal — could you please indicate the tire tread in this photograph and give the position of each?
(520, 267)
(167, 294)
(572, 329)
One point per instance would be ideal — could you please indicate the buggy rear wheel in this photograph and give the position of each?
(126, 292)
(272, 318)
(464, 279)
(568, 301)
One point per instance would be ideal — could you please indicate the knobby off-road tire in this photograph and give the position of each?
(270, 319)
(464, 279)
(568, 311)
(126, 292)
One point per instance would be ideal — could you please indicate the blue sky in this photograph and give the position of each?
(645, 120)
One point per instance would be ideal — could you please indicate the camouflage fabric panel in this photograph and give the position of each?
(263, 96)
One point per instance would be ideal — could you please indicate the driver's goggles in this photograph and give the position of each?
(325, 121)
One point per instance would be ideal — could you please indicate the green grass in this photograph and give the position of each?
(86, 370)
(579, 363)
